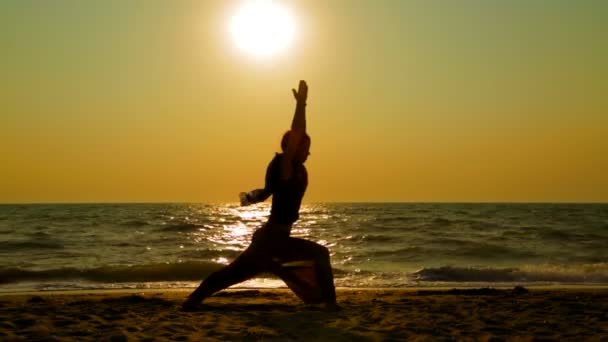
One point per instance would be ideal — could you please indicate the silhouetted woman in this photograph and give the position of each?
(272, 249)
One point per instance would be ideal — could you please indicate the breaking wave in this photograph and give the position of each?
(586, 273)
(139, 273)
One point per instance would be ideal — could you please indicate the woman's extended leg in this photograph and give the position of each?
(244, 267)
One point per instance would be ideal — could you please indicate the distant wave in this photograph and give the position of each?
(408, 253)
(184, 227)
(586, 273)
(485, 250)
(395, 219)
(29, 245)
(40, 235)
(207, 254)
(134, 223)
(378, 238)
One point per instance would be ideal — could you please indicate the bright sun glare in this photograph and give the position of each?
(262, 28)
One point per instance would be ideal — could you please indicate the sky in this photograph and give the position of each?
(409, 101)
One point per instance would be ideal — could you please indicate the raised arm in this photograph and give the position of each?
(298, 129)
(298, 124)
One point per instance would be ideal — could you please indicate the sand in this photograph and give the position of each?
(579, 314)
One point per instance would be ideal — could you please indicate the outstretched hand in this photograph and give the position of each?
(302, 93)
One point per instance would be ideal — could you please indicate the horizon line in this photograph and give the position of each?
(312, 202)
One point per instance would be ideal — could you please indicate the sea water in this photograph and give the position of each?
(99, 246)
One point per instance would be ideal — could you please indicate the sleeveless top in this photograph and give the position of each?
(286, 194)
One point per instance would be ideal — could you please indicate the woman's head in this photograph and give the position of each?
(303, 149)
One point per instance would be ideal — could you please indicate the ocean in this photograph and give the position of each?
(377, 245)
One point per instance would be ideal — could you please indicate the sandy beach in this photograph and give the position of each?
(277, 315)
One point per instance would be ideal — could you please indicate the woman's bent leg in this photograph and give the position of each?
(295, 249)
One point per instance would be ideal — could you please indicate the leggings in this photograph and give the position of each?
(269, 249)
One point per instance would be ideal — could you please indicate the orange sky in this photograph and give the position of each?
(150, 101)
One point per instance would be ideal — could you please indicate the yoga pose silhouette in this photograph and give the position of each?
(303, 265)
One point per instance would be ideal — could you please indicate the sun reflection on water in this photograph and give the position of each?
(235, 228)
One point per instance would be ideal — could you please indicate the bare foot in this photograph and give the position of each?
(191, 306)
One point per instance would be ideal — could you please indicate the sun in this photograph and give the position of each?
(262, 28)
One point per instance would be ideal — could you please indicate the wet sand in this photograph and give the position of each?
(577, 314)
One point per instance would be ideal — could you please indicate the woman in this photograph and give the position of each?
(272, 249)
